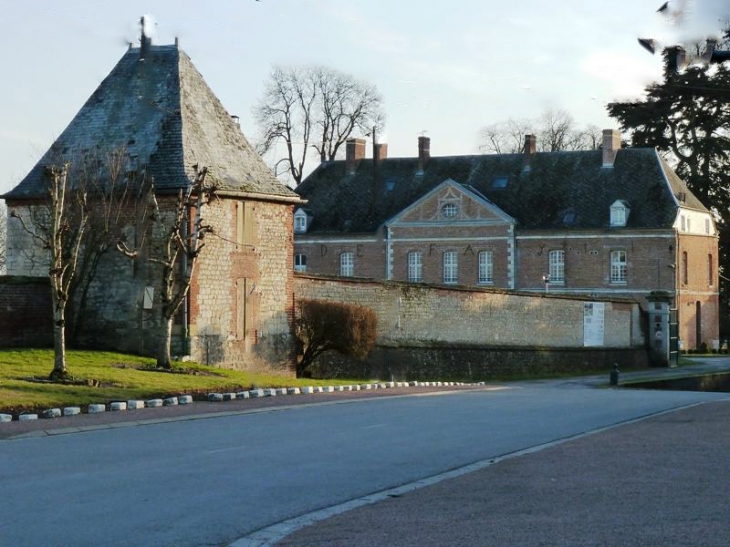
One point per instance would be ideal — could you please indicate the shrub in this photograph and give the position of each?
(320, 326)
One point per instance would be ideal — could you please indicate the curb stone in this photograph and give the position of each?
(135, 405)
(294, 391)
(27, 417)
(243, 395)
(215, 397)
(72, 411)
(4, 418)
(118, 406)
(185, 399)
(96, 408)
(170, 401)
(257, 392)
(153, 403)
(52, 413)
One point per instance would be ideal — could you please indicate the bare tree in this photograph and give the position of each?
(59, 225)
(555, 130)
(175, 246)
(3, 236)
(114, 186)
(315, 107)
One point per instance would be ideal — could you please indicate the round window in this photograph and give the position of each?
(450, 210)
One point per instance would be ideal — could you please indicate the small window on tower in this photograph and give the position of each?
(500, 182)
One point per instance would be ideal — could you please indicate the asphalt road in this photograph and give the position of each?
(209, 482)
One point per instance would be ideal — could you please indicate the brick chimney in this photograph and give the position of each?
(529, 150)
(381, 151)
(355, 151)
(424, 152)
(611, 145)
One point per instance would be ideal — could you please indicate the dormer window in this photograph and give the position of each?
(300, 222)
(619, 213)
(450, 210)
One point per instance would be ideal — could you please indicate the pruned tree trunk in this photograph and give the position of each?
(164, 359)
(59, 371)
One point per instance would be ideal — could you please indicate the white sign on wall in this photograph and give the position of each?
(593, 325)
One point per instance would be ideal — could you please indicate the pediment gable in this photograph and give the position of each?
(451, 203)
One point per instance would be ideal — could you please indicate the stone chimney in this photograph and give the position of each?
(529, 150)
(424, 152)
(611, 145)
(145, 42)
(355, 151)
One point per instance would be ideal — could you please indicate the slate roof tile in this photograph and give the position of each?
(161, 110)
(537, 198)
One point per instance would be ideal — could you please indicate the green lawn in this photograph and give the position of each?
(120, 378)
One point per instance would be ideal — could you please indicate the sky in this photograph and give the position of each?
(445, 69)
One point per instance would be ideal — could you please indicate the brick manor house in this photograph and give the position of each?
(156, 107)
(610, 222)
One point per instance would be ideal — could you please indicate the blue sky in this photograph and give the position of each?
(447, 68)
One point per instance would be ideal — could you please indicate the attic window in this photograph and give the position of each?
(619, 213)
(390, 185)
(569, 217)
(500, 182)
(300, 222)
(450, 210)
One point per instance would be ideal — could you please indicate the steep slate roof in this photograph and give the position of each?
(538, 198)
(164, 114)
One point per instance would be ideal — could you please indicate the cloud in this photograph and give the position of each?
(627, 75)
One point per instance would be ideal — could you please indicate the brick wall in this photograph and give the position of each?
(25, 312)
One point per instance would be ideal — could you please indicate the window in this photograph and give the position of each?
(300, 263)
(451, 268)
(618, 266)
(347, 264)
(415, 267)
(710, 271)
(486, 267)
(300, 222)
(707, 226)
(556, 262)
(500, 182)
(450, 210)
(619, 213)
(684, 223)
(689, 224)
(569, 217)
(685, 267)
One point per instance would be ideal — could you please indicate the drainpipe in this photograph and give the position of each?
(388, 255)
(186, 300)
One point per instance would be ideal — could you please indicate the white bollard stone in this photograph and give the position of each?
(356, 387)
(4, 418)
(118, 405)
(257, 393)
(329, 389)
(319, 389)
(270, 392)
(170, 401)
(215, 397)
(133, 404)
(413, 384)
(243, 395)
(96, 409)
(229, 396)
(391, 385)
(153, 403)
(367, 386)
(294, 391)
(308, 390)
(27, 417)
(348, 388)
(52, 413)
(185, 399)
(340, 388)
(71, 411)
(281, 391)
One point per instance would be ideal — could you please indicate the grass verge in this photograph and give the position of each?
(116, 377)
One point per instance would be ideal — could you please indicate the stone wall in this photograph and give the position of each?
(25, 312)
(423, 329)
